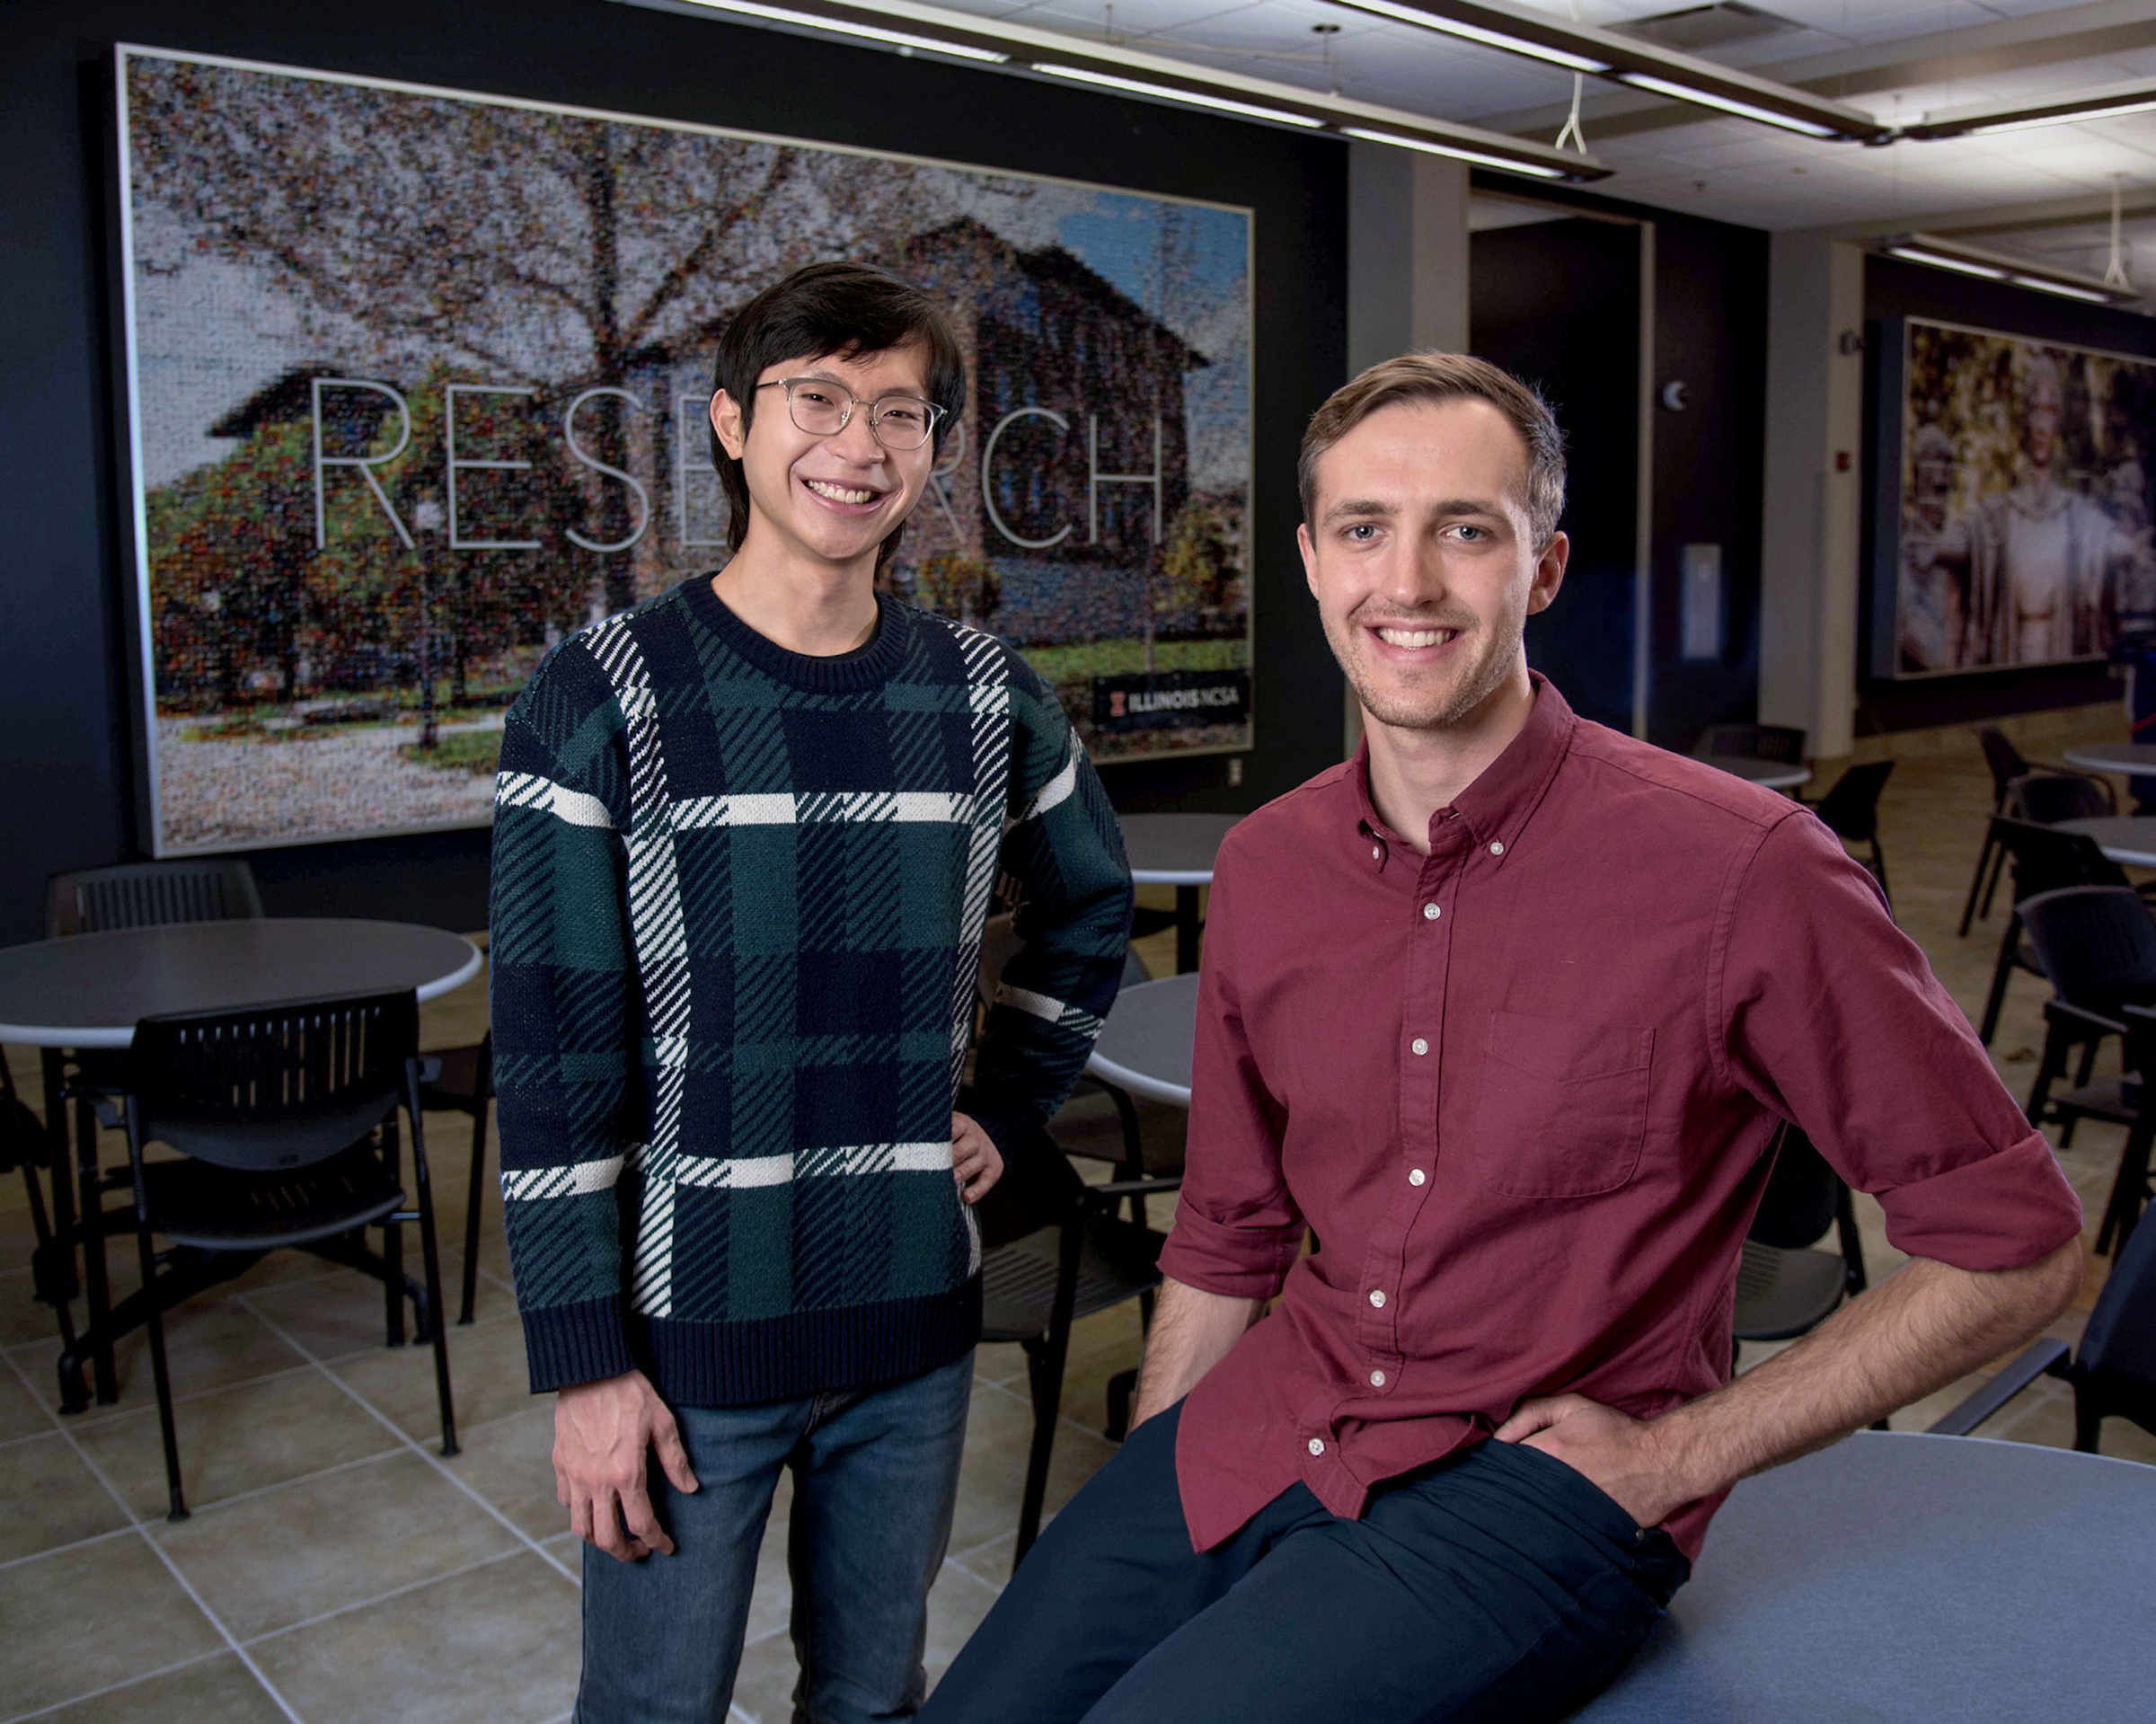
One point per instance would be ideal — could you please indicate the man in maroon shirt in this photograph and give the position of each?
(1507, 1011)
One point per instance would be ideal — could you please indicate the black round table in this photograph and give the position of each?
(2115, 757)
(1144, 1044)
(1774, 775)
(89, 990)
(1176, 850)
(1904, 1576)
(2129, 838)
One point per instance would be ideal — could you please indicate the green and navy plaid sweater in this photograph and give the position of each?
(738, 903)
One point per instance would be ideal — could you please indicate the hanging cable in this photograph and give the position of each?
(1572, 128)
(2114, 273)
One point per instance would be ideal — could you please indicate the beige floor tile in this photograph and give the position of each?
(339, 1313)
(771, 1604)
(510, 1461)
(23, 1411)
(84, 1619)
(23, 1319)
(992, 1480)
(52, 1498)
(487, 1377)
(209, 1343)
(990, 1562)
(497, 1645)
(233, 1440)
(220, 1689)
(320, 1543)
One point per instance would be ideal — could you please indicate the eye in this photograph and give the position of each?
(1361, 532)
(811, 392)
(905, 413)
(1469, 531)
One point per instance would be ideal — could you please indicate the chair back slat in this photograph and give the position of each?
(273, 1087)
(1851, 809)
(2047, 798)
(2004, 760)
(1779, 742)
(2096, 944)
(2046, 860)
(150, 895)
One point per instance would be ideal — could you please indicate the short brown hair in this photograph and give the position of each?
(1440, 378)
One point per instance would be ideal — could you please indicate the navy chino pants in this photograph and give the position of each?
(1498, 1584)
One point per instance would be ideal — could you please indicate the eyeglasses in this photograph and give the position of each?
(822, 409)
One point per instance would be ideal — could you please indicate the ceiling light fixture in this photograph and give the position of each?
(1164, 92)
(2106, 102)
(909, 27)
(1963, 259)
(1626, 59)
(899, 38)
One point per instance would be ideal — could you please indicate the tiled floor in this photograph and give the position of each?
(337, 1567)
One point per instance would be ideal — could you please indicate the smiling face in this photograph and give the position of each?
(832, 500)
(1423, 563)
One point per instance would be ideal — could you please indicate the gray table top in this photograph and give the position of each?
(1146, 1044)
(88, 991)
(2129, 838)
(1174, 848)
(1903, 1576)
(1775, 775)
(2114, 757)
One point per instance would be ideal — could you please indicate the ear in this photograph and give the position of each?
(725, 420)
(1549, 573)
(1310, 556)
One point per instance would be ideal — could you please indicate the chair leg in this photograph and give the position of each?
(2088, 1420)
(90, 1206)
(393, 1244)
(160, 1376)
(2129, 1190)
(436, 1317)
(1992, 886)
(2048, 1074)
(472, 1208)
(1999, 973)
(1968, 910)
(1045, 1362)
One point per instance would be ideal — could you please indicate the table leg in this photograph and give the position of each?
(59, 1277)
(1188, 929)
(91, 1182)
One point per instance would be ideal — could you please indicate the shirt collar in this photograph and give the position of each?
(1497, 805)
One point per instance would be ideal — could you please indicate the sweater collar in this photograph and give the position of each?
(867, 666)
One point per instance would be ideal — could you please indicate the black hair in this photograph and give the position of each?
(842, 309)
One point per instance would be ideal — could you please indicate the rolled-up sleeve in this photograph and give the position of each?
(1832, 1017)
(1237, 1229)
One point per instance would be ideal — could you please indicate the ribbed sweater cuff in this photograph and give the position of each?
(586, 1342)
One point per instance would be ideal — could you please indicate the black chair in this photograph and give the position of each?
(26, 1145)
(285, 1118)
(1851, 809)
(2044, 860)
(462, 1081)
(107, 900)
(2114, 1370)
(1780, 742)
(2007, 764)
(2046, 798)
(1784, 1288)
(1034, 1286)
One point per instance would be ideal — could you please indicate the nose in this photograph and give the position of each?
(856, 441)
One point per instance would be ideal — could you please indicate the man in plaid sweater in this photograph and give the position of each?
(744, 839)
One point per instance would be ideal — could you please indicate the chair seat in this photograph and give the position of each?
(1117, 1260)
(1781, 1294)
(2105, 1099)
(195, 1203)
(454, 1086)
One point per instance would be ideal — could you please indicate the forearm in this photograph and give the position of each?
(1913, 1333)
(1192, 1331)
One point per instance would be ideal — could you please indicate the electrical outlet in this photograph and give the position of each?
(1234, 770)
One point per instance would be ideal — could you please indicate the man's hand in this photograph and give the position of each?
(1617, 1454)
(975, 1160)
(601, 1431)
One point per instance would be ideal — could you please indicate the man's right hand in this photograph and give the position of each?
(601, 1431)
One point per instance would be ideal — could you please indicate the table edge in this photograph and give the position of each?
(1153, 1089)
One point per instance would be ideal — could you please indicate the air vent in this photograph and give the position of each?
(1697, 28)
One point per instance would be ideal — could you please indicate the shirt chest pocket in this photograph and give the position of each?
(1563, 1108)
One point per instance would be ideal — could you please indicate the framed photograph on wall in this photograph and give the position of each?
(2013, 503)
(417, 382)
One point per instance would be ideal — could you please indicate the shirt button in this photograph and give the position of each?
(1416, 1176)
(1377, 1298)
(1377, 852)
(1377, 1379)
(1420, 1046)
(1497, 847)
(1430, 913)
(1317, 1446)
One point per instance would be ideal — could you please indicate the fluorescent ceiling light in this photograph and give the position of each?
(2111, 112)
(1565, 57)
(1727, 104)
(2042, 286)
(1963, 266)
(1169, 93)
(1509, 163)
(846, 27)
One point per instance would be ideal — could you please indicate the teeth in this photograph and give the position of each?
(839, 493)
(1413, 637)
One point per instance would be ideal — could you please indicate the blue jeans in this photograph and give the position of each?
(1499, 1586)
(875, 1477)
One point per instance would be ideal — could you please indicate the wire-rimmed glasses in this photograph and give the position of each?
(822, 408)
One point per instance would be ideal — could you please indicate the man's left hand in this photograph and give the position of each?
(973, 1158)
(1620, 1455)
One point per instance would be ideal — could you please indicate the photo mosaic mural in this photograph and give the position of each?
(418, 383)
(2024, 501)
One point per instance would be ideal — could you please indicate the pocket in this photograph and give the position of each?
(1563, 1108)
(1602, 1510)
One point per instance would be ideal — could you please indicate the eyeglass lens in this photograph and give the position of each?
(896, 421)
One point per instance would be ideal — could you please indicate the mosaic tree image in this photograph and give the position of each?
(419, 380)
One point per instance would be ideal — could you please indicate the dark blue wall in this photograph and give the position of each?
(67, 745)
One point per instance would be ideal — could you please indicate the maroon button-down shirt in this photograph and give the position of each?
(1521, 1088)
